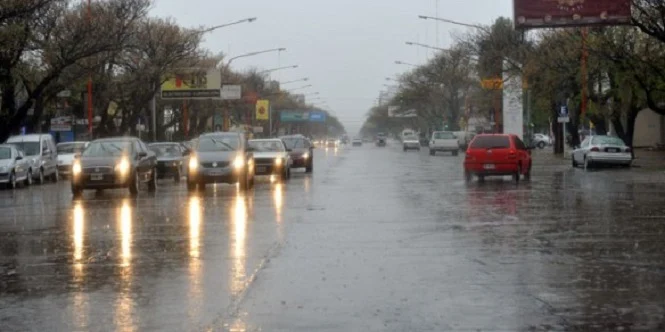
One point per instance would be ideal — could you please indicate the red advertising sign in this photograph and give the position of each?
(566, 13)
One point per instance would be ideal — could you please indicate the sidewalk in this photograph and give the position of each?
(647, 159)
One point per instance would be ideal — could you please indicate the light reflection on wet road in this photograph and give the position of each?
(374, 240)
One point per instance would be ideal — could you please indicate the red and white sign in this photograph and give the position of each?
(562, 13)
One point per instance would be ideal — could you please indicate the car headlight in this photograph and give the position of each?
(278, 161)
(76, 168)
(122, 167)
(4, 169)
(239, 162)
(305, 155)
(193, 163)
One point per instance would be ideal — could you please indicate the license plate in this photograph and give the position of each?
(488, 166)
(612, 150)
(261, 169)
(215, 173)
(97, 177)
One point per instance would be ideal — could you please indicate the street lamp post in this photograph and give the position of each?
(305, 79)
(426, 46)
(405, 63)
(476, 26)
(248, 20)
(276, 69)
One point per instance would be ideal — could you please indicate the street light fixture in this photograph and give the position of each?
(250, 54)
(426, 46)
(300, 88)
(476, 26)
(405, 63)
(248, 20)
(305, 79)
(276, 69)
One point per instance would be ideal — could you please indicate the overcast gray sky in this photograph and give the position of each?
(346, 47)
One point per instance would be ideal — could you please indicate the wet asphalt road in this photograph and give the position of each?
(375, 240)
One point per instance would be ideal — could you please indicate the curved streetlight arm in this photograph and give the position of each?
(248, 20)
(476, 26)
(249, 54)
(426, 46)
(276, 69)
(300, 88)
(405, 63)
(305, 79)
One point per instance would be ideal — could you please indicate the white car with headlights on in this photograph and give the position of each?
(110, 163)
(602, 150)
(66, 153)
(271, 157)
(222, 157)
(410, 142)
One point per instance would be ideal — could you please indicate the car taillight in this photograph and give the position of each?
(512, 154)
(595, 149)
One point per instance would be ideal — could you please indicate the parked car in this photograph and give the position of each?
(410, 142)
(541, 140)
(271, 157)
(13, 166)
(302, 151)
(66, 153)
(171, 159)
(110, 163)
(357, 142)
(602, 150)
(381, 140)
(444, 141)
(221, 157)
(497, 154)
(41, 155)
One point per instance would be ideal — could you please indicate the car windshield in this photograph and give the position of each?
(444, 135)
(607, 140)
(267, 146)
(218, 143)
(491, 142)
(29, 148)
(108, 149)
(294, 143)
(70, 148)
(5, 153)
(165, 150)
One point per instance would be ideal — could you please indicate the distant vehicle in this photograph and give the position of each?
(602, 150)
(66, 153)
(332, 143)
(13, 167)
(463, 138)
(41, 155)
(271, 157)
(410, 142)
(408, 133)
(302, 151)
(221, 157)
(381, 140)
(112, 163)
(497, 154)
(444, 141)
(541, 140)
(357, 142)
(171, 158)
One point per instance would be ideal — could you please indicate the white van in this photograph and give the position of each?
(41, 155)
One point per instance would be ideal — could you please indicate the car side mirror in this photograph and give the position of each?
(19, 158)
(46, 152)
(186, 153)
(289, 150)
(142, 154)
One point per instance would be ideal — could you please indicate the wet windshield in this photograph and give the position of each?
(444, 135)
(5, 153)
(166, 150)
(490, 142)
(607, 140)
(294, 143)
(216, 144)
(28, 148)
(70, 148)
(108, 149)
(267, 146)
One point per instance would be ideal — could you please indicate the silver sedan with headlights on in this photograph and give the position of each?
(602, 150)
(13, 166)
(220, 158)
(110, 163)
(271, 157)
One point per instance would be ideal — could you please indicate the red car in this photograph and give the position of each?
(497, 154)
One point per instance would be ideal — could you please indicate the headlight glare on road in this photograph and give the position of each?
(122, 167)
(239, 162)
(76, 168)
(278, 161)
(305, 155)
(193, 163)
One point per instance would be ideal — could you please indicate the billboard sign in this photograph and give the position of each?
(231, 92)
(293, 116)
(317, 117)
(563, 13)
(61, 123)
(193, 84)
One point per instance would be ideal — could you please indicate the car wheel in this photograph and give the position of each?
(518, 174)
(77, 191)
(455, 153)
(432, 152)
(527, 175)
(481, 178)
(310, 167)
(541, 145)
(152, 184)
(41, 176)
(574, 161)
(587, 164)
(28, 179)
(284, 175)
(243, 181)
(55, 176)
(191, 185)
(134, 184)
(404, 149)
(467, 177)
(177, 176)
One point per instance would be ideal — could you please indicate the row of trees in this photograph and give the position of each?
(50, 46)
(625, 75)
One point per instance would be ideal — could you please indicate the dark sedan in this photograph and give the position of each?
(220, 158)
(170, 159)
(110, 163)
(302, 151)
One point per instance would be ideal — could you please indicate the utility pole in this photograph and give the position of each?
(90, 109)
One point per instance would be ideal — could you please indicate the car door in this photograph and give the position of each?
(142, 160)
(578, 154)
(523, 157)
